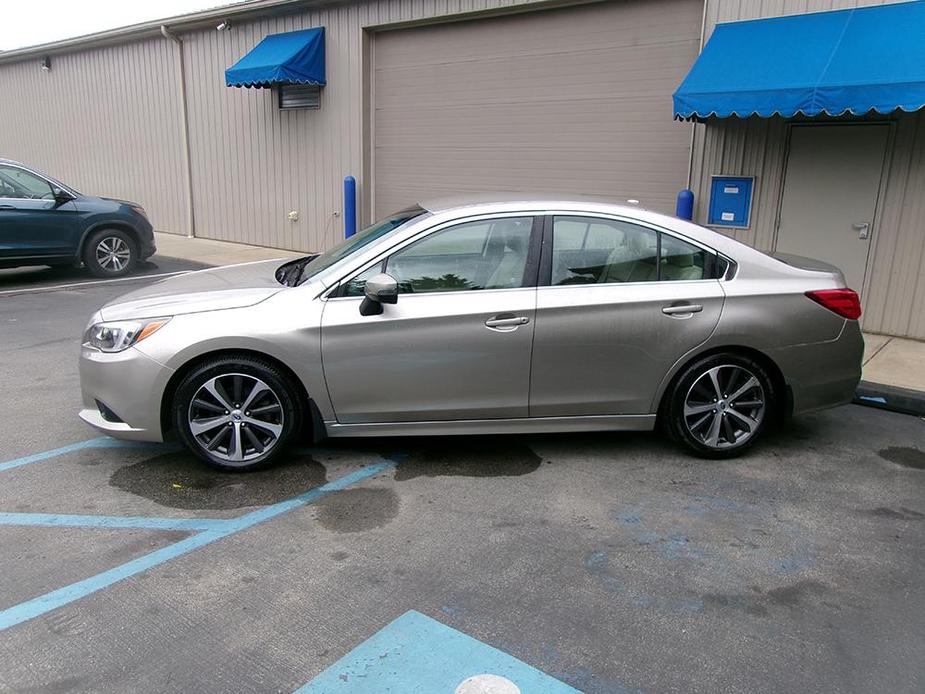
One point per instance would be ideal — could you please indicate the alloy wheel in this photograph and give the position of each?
(724, 407)
(113, 254)
(236, 418)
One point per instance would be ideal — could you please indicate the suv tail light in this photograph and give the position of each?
(844, 302)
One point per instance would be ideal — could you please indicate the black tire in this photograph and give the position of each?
(227, 370)
(98, 260)
(729, 421)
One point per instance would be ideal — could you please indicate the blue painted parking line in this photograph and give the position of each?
(417, 654)
(100, 442)
(42, 604)
(59, 520)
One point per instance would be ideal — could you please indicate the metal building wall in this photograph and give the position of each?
(108, 121)
(105, 121)
(894, 295)
(253, 163)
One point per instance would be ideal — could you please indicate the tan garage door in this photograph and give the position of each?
(572, 101)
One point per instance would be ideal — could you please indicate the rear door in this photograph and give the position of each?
(32, 223)
(618, 304)
(457, 343)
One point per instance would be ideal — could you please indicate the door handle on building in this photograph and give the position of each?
(506, 321)
(682, 309)
(863, 229)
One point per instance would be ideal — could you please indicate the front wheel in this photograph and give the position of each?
(110, 253)
(720, 405)
(236, 413)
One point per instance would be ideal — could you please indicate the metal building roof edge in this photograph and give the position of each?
(134, 32)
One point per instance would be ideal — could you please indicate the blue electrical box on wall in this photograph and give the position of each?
(731, 201)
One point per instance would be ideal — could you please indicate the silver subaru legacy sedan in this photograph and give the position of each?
(478, 318)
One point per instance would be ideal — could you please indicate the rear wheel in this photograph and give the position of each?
(720, 405)
(110, 253)
(236, 413)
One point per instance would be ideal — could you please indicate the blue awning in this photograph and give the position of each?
(296, 57)
(846, 61)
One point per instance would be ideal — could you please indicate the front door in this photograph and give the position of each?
(457, 343)
(830, 195)
(618, 305)
(32, 223)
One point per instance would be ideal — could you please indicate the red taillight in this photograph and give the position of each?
(844, 302)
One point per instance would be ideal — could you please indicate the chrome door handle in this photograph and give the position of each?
(683, 308)
(506, 321)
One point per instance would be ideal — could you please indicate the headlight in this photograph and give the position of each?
(120, 335)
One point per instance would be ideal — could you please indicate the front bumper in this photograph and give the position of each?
(131, 385)
(148, 244)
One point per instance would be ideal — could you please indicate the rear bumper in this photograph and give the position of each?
(823, 374)
(130, 385)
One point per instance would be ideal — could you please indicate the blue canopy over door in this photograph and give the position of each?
(833, 63)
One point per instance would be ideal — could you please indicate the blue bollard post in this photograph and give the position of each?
(350, 206)
(685, 206)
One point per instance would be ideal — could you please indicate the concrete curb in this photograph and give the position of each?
(890, 398)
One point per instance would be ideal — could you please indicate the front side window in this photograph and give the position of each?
(589, 250)
(357, 241)
(17, 183)
(489, 254)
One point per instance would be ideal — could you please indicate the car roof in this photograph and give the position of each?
(528, 201)
(10, 161)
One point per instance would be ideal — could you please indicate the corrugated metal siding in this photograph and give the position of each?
(115, 127)
(569, 101)
(105, 121)
(253, 163)
(894, 295)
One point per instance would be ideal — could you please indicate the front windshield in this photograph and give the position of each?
(358, 241)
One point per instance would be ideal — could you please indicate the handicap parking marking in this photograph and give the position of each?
(419, 655)
(207, 530)
(63, 520)
(99, 442)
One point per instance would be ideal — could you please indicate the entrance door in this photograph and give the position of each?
(830, 194)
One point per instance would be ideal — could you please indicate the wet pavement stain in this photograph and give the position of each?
(759, 603)
(356, 510)
(178, 480)
(902, 513)
(905, 456)
(469, 457)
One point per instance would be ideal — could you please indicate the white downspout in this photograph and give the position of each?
(690, 160)
(188, 167)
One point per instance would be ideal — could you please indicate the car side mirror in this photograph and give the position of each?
(61, 196)
(381, 289)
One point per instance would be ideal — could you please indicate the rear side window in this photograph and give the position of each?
(680, 260)
(589, 250)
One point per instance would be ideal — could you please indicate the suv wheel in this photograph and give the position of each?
(236, 413)
(110, 253)
(721, 405)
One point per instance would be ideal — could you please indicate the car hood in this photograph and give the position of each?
(235, 286)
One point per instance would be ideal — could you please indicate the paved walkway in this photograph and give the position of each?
(894, 361)
(215, 252)
(890, 361)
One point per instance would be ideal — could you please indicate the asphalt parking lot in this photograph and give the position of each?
(598, 563)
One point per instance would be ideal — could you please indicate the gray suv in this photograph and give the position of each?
(486, 317)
